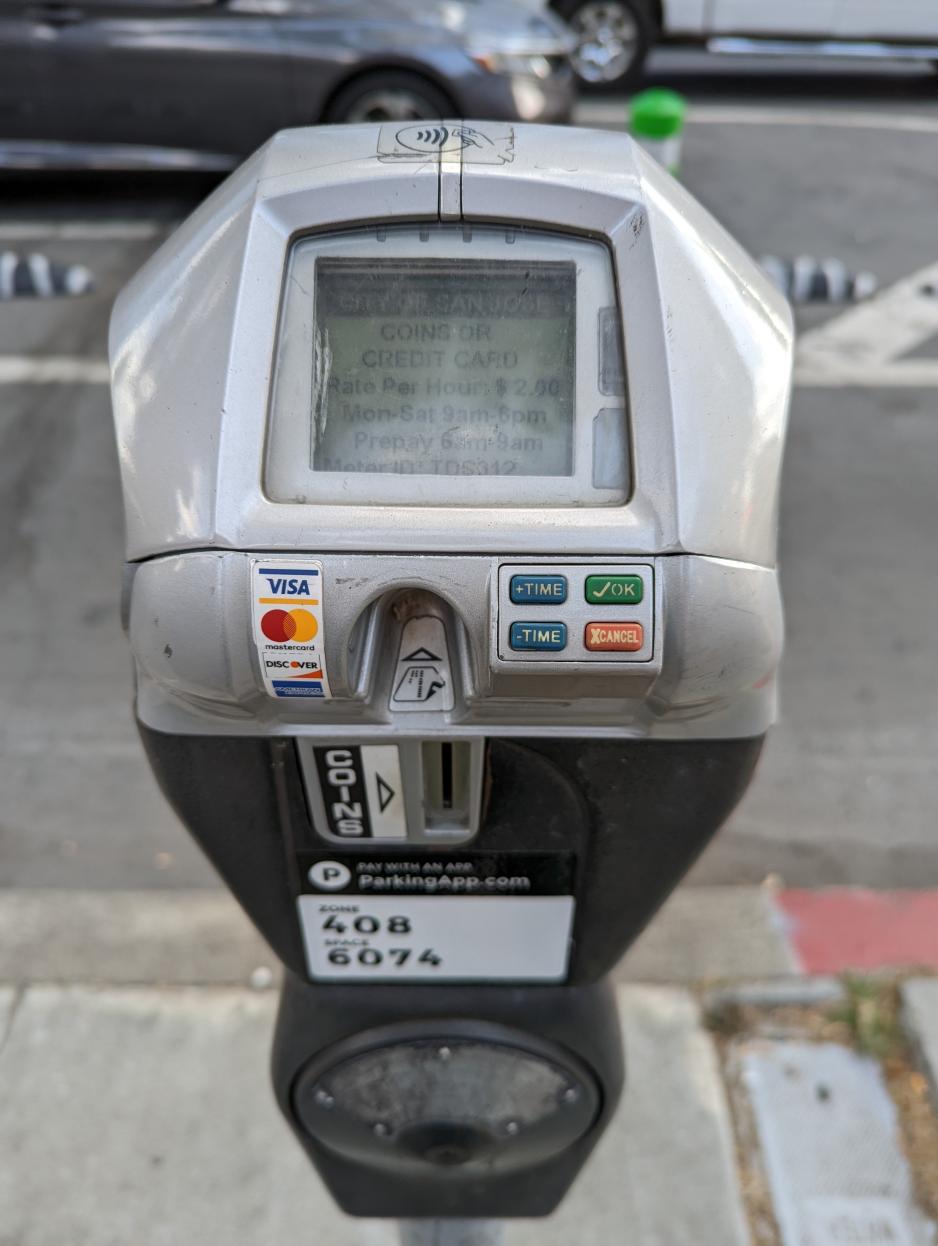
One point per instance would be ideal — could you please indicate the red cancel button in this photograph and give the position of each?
(607, 637)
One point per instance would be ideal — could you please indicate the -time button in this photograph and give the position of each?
(537, 637)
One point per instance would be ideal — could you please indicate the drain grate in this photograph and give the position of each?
(829, 1135)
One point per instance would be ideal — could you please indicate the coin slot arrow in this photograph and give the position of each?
(386, 793)
(422, 655)
(423, 679)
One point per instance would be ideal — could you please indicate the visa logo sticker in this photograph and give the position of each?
(287, 619)
(288, 588)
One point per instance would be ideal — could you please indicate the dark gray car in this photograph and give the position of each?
(96, 82)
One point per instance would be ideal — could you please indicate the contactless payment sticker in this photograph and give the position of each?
(287, 624)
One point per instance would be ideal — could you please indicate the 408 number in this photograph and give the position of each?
(367, 925)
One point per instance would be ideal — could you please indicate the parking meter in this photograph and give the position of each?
(450, 456)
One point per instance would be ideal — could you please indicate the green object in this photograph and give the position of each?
(657, 113)
(614, 590)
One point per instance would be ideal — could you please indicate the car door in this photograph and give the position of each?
(887, 19)
(166, 73)
(24, 111)
(795, 18)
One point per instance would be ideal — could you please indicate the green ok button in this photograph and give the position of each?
(614, 590)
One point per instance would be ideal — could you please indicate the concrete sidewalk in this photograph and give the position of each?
(136, 1105)
(145, 1116)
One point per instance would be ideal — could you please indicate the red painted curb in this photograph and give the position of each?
(835, 929)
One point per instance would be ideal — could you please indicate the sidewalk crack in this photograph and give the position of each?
(18, 997)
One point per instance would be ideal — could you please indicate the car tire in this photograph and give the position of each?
(614, 38)
(389, 95)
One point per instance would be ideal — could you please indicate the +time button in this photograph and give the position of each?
(535, 590)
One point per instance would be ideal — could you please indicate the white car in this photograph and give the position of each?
(614, 36)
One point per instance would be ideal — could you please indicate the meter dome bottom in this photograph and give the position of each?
(450, 1095)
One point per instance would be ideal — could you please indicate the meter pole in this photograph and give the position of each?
(451, 1233)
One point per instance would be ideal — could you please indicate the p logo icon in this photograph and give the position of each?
(330, 875)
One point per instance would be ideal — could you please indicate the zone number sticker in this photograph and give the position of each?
(455, 916)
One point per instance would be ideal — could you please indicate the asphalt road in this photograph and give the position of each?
(847, 789)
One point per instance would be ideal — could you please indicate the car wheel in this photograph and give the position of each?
(389, 96)
(613, 39)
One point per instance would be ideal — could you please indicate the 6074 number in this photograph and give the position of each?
(370, 956)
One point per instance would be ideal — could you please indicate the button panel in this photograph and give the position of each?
(596, 612)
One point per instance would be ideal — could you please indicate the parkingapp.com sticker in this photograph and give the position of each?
(453, 916)
(288, 627)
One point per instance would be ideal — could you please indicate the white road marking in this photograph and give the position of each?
(863, 347)
(52, 369)
(716, 114)
(918, 374)
(83, 231)
(835, 118)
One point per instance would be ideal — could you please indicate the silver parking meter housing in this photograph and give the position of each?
(451, 464)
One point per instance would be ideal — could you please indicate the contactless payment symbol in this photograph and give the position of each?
(441, 137)
(492, 143)
(287, 627)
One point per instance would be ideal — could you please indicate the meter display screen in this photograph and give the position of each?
(443, 368)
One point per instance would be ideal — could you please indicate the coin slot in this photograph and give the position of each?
(447, 772)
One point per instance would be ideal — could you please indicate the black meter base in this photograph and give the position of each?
(625, 819)
(450, 1102)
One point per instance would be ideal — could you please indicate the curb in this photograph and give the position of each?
(202, 938)
(837, 929)
(702, 934)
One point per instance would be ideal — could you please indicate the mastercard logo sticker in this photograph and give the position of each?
(283, 625)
